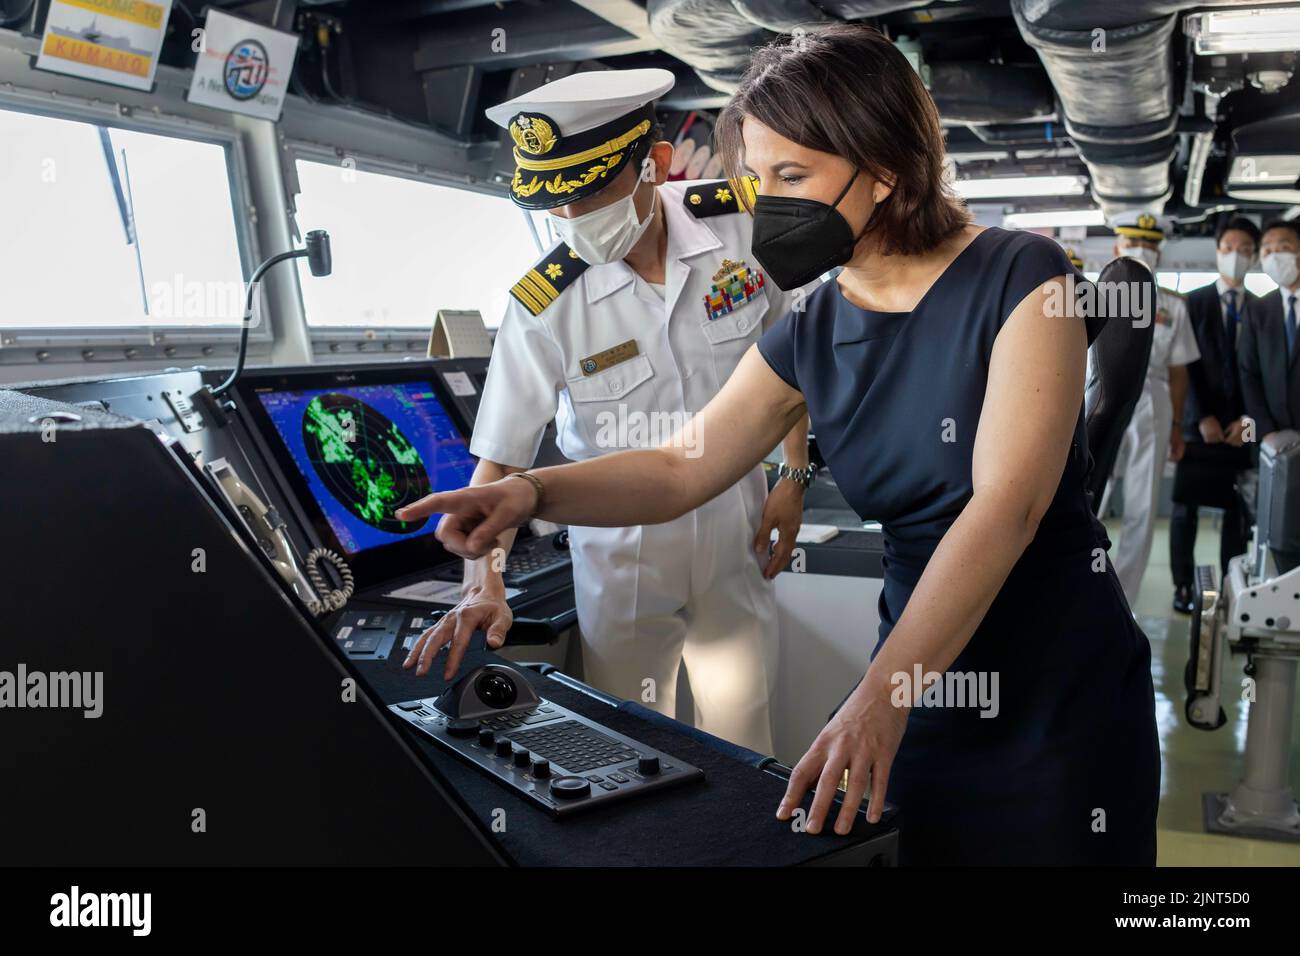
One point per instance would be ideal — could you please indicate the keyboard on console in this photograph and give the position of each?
(526, 566)
(529, 560)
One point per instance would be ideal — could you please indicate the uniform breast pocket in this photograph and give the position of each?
(730, 335)
(608, 405)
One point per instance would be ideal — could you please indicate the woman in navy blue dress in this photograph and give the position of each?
(943, 377)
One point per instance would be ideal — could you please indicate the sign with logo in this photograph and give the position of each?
(243, 67)
(113, 41)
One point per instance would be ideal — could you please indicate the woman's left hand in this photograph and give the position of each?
(862, 739)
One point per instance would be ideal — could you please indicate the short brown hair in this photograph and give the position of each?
(1290, 224)
(847, 90)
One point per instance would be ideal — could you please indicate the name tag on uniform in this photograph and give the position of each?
(609, 358)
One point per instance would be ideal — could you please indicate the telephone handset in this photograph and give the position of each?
(267, 528)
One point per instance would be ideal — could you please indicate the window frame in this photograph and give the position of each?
(357, 341)
(154, 338)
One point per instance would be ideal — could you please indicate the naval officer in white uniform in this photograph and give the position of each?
(1154, 434)
(622, 332)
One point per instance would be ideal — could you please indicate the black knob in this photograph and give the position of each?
(504, 746)
(541, 767)
(486, 738)
(647, 766)
(462, 728)
(521, 757)
(570, 788)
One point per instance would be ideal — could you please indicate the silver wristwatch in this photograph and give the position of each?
(800, 476)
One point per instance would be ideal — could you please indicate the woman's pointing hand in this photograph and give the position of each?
(472, 518)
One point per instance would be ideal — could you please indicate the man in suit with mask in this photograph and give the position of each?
(1270, 373)
(1214, 417)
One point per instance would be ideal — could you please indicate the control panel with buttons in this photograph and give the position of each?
(368, 635)
(558, 758)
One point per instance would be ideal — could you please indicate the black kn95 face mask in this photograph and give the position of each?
(796, 240)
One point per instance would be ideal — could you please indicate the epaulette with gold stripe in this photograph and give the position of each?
(544, 282)
(721, 196)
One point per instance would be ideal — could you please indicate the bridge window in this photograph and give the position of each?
(109, 227)
(405, 248)
(1185, 282)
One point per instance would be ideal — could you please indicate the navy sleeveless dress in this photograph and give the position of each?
(1068, 771)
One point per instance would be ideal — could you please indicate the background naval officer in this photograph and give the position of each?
(1154, 433)
(624, 329)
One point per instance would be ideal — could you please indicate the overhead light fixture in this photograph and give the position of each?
(1265, 170)
(1266, 160)
(1256, 30)
(1018, 186)
(1051, 218)
(1288, 197)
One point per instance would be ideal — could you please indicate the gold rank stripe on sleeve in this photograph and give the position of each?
(542, 284)
(721, 196)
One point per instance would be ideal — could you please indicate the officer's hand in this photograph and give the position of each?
(1176, 444)
(482, 609)
(1211, 430)
(473, 517)
(783, 510)
(863, 739)
(1234, 435)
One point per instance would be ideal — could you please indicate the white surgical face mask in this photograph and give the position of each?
(606, 234)
(1147, 256)
(1281, 268)
(1233, 265)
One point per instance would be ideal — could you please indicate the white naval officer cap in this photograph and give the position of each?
(1141, 224)
(574, 136)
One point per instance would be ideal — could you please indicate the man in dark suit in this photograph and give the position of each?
(1267, 350)
(1214, 422)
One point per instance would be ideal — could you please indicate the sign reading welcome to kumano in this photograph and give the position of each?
(114, 41)
(243, 67)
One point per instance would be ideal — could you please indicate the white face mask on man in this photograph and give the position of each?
(1281, 267)
(606, 234)
(1233, 265)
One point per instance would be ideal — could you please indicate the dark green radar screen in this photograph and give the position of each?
(364, 460)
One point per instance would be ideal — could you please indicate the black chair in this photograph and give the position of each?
(1121, 326)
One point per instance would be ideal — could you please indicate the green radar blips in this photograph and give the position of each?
(364, 460)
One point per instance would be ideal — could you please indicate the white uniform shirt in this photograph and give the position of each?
(683, 358)
(1173, 341)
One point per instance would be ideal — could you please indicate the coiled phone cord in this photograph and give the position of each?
(331, 598)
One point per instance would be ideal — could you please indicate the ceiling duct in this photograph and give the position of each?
(717, 38)
(1112, 66)
(711, 36)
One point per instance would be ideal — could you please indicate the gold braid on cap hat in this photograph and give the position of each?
(609, 152)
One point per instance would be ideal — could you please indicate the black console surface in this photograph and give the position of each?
(728, 819)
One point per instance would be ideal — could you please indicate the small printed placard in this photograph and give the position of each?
(242, 66)
(113, 41)
(460, 384)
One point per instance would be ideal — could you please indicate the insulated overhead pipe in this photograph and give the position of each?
(1111, 62)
